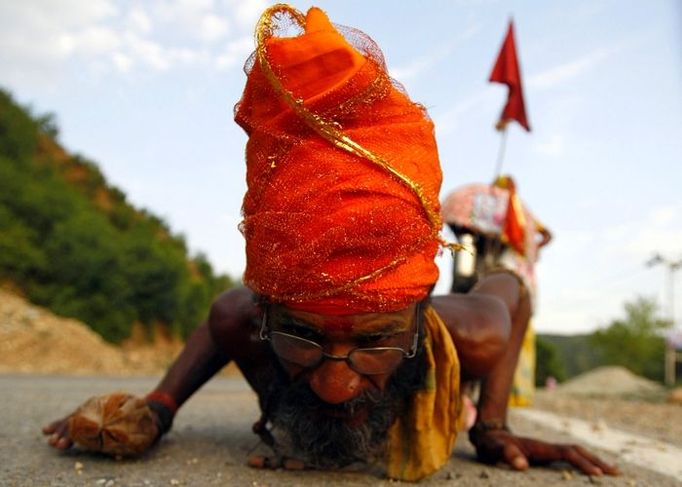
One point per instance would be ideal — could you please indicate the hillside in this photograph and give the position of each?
(71, 242)
(33, 340)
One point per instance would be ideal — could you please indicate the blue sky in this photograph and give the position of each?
(146, 89)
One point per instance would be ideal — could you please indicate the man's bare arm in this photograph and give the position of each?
(488, 327)
(204, 354)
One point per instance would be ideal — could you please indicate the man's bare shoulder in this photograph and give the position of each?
(233, 318)
(473, 307)
(232, 301)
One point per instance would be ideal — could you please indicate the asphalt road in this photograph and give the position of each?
(210, 442)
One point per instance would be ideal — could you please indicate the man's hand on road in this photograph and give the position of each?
(502, 446)
(117, 424)
(59, 434)
(275, 462)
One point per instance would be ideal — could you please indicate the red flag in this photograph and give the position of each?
(506, 70)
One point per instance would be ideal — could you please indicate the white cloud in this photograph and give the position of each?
(194, 20)
(64, 46)
(181, 10)
(665, 214)
(213, 28)
(149, 52)
(37, 37)
(95, 40)
(431, 58)
(661, 232)
(76, 12)
(565, 72)
(247, 12)
(447, 122)
(235, 52)
(415, 68)
(50, 14)
(194, 5)
(138, 20)
(35, 28)
(158, 57)
(122, 62)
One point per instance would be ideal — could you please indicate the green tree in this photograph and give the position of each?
(70, 241)
(548, 362)
(18, 131)
(85, 278)
(636, 341)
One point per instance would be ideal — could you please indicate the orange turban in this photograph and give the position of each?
(341, 214)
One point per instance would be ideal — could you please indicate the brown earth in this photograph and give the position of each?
(612, 381)
(651, 416)
(34, 340)
(615, 397)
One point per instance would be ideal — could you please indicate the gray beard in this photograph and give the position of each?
(303, 429)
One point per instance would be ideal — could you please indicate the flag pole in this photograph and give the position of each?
(506, 71)
(501, 151)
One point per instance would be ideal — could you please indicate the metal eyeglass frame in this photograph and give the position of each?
(264, 334)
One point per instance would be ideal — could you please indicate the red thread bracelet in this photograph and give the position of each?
(165, 399)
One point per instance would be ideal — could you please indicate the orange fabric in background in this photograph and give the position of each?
(326, 230)
(514, 231)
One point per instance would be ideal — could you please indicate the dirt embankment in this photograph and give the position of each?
(615, 397)
(33, 340)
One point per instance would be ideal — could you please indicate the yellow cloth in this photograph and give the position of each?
(523, 387)
(421, 442)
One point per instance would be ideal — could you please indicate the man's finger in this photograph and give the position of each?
(293, 464)
(256, 461)
(64, 443)
(606, 468)
(50, 428)
(263, 461)
(515, 457)
(540, 452)
(62, 428)
(572, 456)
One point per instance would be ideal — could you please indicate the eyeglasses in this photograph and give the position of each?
(309, 354)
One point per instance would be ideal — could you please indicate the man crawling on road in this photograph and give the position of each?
(351, 358)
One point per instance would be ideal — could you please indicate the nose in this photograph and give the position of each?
(335, 382)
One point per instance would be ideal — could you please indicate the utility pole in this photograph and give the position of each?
(670, 351)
